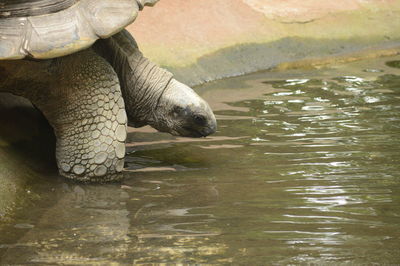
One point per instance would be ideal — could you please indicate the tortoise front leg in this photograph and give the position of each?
(86, 109)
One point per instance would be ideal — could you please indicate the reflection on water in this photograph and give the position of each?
(304, 168)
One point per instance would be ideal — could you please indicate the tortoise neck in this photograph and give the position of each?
(26, 8)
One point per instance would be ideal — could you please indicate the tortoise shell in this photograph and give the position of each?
(45, 29)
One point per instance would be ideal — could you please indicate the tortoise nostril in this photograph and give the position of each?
(208, 131)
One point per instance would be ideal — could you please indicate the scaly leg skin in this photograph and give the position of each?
(85, 107)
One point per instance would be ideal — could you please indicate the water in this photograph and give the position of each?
(303, 169)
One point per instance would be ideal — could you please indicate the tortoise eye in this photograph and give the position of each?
(199, 119)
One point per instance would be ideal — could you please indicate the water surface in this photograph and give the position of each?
(304, 168)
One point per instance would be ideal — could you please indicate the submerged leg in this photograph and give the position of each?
(84, 105)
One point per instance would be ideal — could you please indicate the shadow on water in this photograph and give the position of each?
(304, 168)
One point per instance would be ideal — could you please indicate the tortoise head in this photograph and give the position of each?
(180, 111)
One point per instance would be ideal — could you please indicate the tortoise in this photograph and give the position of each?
(77, 64)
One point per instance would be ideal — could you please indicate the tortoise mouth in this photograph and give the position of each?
(188, 132)
(196, 133)
(192, 133)
(23, 8)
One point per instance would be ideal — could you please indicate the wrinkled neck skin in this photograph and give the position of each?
(142, 82)
(152, 96)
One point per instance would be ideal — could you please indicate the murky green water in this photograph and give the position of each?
(304, 168)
